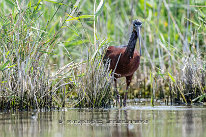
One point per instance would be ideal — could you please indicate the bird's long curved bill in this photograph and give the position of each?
(139, 34)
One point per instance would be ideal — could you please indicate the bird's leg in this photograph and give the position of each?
(117, 93)
(128, 81)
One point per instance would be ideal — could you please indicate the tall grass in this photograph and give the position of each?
(27, 46)
(94, 88)
(51, 51)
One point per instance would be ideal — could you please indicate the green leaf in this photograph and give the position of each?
(10, 3)
(192, 22)
(3, 67)
(12, 66)
(3, 82)
(55, 2)
(159, 73)
(29, 4)
(49, 53)
(100, 8)
(80, 17)
(149, 5)
(171, 77)
(151, 83)
(7, 54)
(200, 98)
(81, 75)
(36, 7)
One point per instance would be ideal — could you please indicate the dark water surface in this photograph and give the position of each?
(131, 121)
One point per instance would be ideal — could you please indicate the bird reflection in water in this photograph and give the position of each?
(125, 129)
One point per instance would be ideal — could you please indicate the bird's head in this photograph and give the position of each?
(137, 25)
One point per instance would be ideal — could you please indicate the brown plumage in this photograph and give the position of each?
(124, 60)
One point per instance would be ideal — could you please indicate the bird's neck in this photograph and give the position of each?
(131, 45)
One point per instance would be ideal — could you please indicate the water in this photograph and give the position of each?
(131, 121)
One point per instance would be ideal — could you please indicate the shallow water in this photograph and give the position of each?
(131, 121)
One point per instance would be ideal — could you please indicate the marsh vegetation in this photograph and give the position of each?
(51, 52)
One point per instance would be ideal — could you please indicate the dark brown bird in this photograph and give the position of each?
(124, 60)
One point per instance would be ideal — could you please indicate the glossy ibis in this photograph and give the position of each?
(124, 60)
